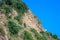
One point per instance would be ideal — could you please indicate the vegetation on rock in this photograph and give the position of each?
(2, 31)
(27, 36)
(14, 25)
(37, 35)
(19, 6)
(13, 28)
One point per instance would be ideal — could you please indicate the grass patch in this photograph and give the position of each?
(27, 36)
(37, 35)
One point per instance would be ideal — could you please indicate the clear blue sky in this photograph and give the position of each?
(48, 11)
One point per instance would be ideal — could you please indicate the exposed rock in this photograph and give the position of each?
(26, 26)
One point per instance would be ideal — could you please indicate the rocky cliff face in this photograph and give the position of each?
(17, 22)
(31, 21)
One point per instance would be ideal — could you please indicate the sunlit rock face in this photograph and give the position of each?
(32, 21)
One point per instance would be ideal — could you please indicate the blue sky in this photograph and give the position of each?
(48, 12)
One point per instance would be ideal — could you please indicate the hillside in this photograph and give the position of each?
(17, 22)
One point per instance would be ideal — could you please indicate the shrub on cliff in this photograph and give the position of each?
(13, 28)
(27, 36)
(37, 35)
(2, 31)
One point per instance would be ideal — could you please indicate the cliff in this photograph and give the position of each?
(17, 22)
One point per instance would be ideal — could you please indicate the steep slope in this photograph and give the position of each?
(18, 23)
(31, 20)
